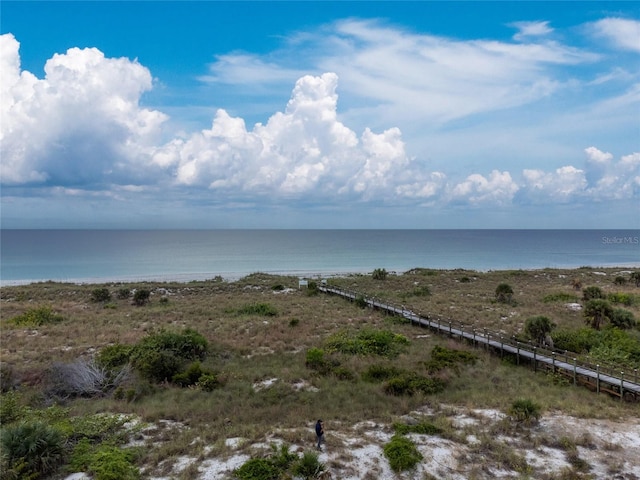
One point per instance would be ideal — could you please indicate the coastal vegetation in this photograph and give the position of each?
(85, 370)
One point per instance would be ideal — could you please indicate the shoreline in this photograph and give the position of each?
(235, 276)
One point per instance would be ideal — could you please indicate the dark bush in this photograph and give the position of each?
(380, 373)
(162, 355)
(124, 293)
(504, 293)
(591, 293)
(537, 328)
(8, 377)
(360, 301)
(622, 318)
(422, 428)
(100, 295)
(619, 280)
(410, 383)
(141, 296)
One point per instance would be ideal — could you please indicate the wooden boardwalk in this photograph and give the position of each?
(596, 377)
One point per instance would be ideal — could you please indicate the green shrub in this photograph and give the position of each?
(367, 342)
(281, 457)
(411, 383)
(294, 322)
(124, 293)
(380, 373)
(113, 463)
(208, 382)
(577, 341)
(619, 280)
(34, 448)
(422, 291)
(38, 316)
(560, 297)
(308, 466)
(80, 456)
(626, 299)
(162, 355)
(422, 428)
(141, 296)
(8, 378)
(465, 280)
(442, 357)
(525, 411)
(277, 288)
(262, 309)
(315, 358)
(257, 469)
(11, 409)
(113, 356)
(312, 289)
(100, 295)
(379, 274)
(402, 454)
(591, 293)
(361, 302)
(622, 318)
(596, 312)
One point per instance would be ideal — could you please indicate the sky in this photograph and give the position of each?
(211, 114)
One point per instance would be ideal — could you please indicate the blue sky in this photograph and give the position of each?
(320, 114)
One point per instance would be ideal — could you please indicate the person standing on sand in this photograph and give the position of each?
(320, 434)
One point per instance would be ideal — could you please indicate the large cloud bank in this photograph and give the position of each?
(82, 128)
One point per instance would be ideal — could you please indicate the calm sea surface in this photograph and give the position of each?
(128, 255)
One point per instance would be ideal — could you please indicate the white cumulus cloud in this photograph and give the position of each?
(531, 29)
(81, 123)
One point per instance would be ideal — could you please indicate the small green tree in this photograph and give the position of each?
(596, 312)
(635, 278)
(379, 274)
(504, 293)
(537, 328)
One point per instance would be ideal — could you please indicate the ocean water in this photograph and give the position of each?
(128, 255)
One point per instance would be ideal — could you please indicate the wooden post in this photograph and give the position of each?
(575, 367)
(621, 385)
(553, 361)
(501, 346)
(449, 328)
(518, 353)
(598, 378)
(474, 337)
(535, 363)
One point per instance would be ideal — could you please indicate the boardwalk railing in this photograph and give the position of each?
(601, 378)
